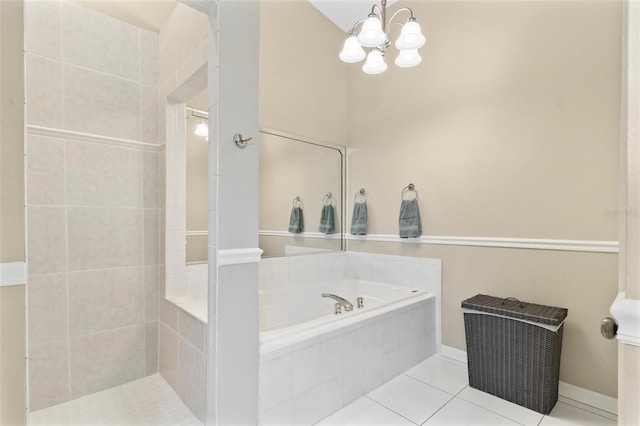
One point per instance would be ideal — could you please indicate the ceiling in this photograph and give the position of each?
(153, 14)
(345, 13)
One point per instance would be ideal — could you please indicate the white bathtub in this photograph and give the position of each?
(313, 362)
(289, 315)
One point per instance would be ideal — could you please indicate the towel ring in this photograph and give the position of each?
(409, 188)
(327, 197)
(297, 200)
(362, 194)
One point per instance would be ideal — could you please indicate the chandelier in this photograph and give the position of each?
(372, 35)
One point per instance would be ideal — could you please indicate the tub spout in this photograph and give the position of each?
(344, 302)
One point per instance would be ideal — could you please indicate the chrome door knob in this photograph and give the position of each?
(608, 328)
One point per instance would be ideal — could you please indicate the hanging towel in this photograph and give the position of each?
(359, 219)
(295, 221)
(410, 225)
(327, 221)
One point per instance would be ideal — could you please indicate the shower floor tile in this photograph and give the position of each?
(149, 401)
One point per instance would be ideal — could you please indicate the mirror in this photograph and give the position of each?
(197, 178)
(292, 166)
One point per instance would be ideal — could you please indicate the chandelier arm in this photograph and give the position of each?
(404, 9)
(382, 13)
(353, 30)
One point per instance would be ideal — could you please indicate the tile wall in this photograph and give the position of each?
(93, 199)
(182, 340)
(183, 55)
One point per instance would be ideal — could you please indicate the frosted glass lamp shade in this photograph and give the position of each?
(202, 130)
(352, 51)
(410, 37)
(408, 58)
(371, 34)
(375, 63)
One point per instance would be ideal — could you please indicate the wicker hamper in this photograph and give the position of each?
(513, 349)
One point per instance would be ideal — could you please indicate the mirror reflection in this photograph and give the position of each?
(301, 195)
(197, 154)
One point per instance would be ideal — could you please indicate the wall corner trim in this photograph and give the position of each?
(593, 401)
(627, 315)
(239, 256)
(13, 273)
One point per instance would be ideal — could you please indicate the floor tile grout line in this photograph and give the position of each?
(438, 410)
(432, 386)
(389, 409)
(494, 412)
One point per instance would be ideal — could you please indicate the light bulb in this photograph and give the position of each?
(202, 129)
(410, 37)
(371, 34)
(408, 58)
(352, 50)
(375, 63)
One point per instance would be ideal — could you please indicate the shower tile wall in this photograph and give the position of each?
(183, 52)
(93, 198)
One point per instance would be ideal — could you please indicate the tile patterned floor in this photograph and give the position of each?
(436, 393)
(145, 402)
(433, 393)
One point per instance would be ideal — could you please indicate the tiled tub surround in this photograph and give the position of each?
(303, 270)
(317, 375)
(309, 370)
(93, 201)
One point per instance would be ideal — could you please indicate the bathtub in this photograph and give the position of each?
(314, 362)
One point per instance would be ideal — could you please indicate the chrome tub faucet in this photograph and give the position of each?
(344, 302)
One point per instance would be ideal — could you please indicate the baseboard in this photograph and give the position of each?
(585, 396)
(565, 390)
(454, 353)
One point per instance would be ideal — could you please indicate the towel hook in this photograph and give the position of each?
(409, 188)
(298, 200)
(362, 193)
(327, 197)
(241, 141)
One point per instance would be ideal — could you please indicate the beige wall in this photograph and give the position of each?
(302, 92)
(11, 134)
(12, 299)
(302, 84)
(508, 128)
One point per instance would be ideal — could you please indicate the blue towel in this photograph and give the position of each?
(410, 225)
(359, 219)
(295, 221)
(327, 221)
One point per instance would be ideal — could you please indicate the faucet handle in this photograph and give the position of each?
(360, 301)
(338, 308)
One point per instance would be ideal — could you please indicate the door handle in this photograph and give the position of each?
(608, 328)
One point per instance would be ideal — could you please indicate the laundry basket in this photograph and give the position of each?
(513, 349)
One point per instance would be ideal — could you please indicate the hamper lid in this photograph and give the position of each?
(513, 308)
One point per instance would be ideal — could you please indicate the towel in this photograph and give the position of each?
(327, 221)
(359, 219)
(410, 225)
(295, 221)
